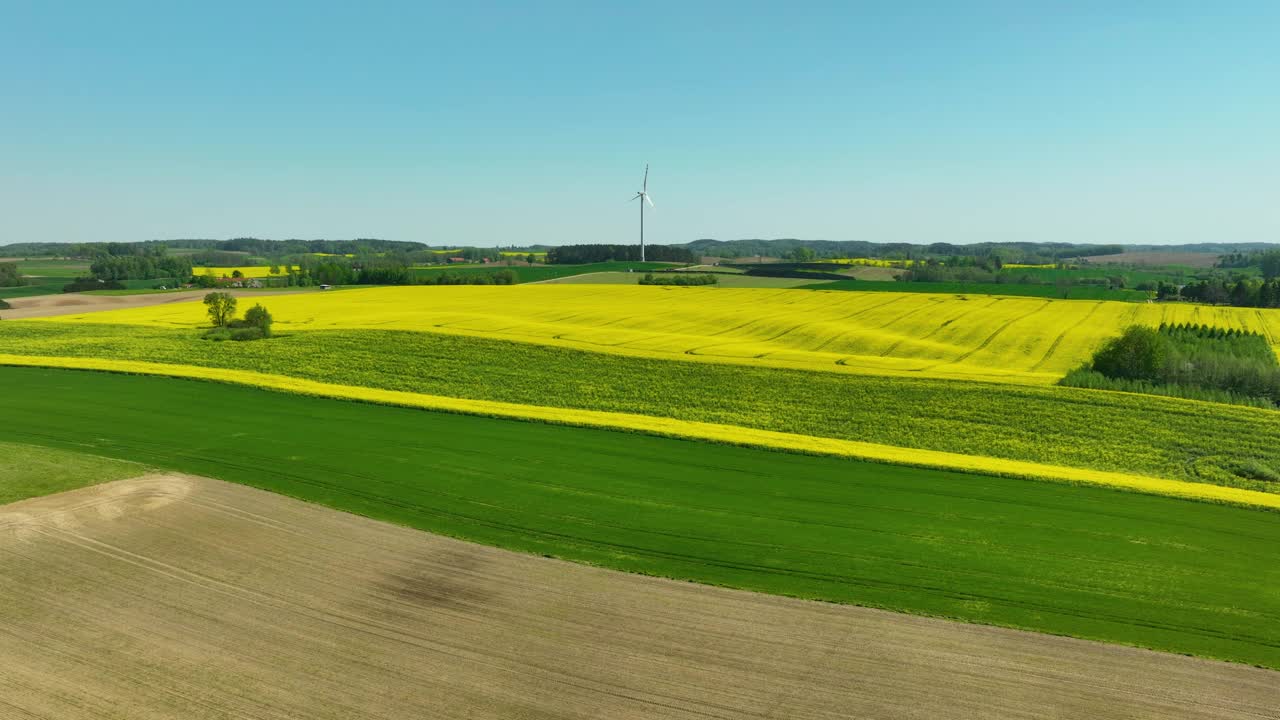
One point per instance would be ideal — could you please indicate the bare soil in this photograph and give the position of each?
(79, 303)
(180, 597)
(875, 274)
(1193, 259)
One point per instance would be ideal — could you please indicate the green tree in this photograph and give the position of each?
(1138, 354)
(221, 307)
(258, 317)
(9, 275)
(803, 254)
(1063, 284)
(1270, 264)
(274, 270)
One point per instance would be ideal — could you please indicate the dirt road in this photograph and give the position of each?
(79, 303)
(179, 597)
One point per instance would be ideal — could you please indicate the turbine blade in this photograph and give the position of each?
(648, 199)
(646, 177)
(637, 195)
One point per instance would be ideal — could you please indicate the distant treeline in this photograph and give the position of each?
(337, 270)
(270, 248)
(1191, 361)
(229, 252)
(1244, 292)
(1017, 252)
(444, 277)
(1012, 252)
(992, 270)
(1268, 262)
(140, 267)
(1236, 254)
(583, 254)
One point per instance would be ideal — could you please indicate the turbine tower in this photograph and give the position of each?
(643, 197)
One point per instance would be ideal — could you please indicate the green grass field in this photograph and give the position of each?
(1168, 574)
(1063, 426)
(43, 288)
(1132, 275)
(32, 471)
(53, 267)
(54, 286)
(1076, 292)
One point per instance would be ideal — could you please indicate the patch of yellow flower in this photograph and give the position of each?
(248, 271)
(870, 262)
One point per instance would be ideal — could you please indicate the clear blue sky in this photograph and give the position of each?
(499, 123)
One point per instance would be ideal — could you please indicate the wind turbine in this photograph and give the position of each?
(643, 197)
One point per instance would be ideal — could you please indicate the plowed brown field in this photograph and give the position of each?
(179, 597)
(78, 303)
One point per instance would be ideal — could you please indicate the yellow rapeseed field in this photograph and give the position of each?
(714, 432)
(1000, 339)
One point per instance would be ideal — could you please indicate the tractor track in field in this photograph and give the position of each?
(859, 313)
(938, 329)
(1266, 329)
(928, 306)
(989, 339)
(1062, 335)
(698, 350)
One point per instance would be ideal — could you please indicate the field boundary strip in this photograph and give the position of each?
(683, 429)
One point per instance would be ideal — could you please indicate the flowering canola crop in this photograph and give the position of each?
(976, 337)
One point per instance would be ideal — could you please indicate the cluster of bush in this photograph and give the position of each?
(9, 275)
(679, 279)
(446, 277)
(221, 306)
(1192, 361)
